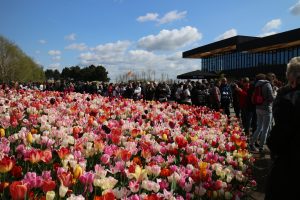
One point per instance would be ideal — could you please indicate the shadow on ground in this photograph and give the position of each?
(261, 170)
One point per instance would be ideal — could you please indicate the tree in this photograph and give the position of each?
(90, 73)
(15, 65)
(52, 74)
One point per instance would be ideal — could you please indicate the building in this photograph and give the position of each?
(247, 56)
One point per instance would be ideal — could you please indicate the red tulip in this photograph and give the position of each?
(16, 171)
(48, 185)
(66, 178)
(76, 130)
(34, 156)
(63, 152)
(107, 196)
(165, 172)
(153, 197)
(18, 190)
(125, 155)
(181, 141)
(6, 164)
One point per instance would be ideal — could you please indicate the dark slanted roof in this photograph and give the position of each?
(276, 41)
(198, 74)
(221, 46)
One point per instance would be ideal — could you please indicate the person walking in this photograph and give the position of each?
(284, 139)
(264, 114)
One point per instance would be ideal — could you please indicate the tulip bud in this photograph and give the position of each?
(50, 195)
(77, 171)
(29, 137)
(63, 190)
(2, 132)
(165, 137)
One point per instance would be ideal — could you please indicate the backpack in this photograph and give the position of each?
(257, 96)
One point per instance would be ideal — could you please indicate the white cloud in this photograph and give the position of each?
(148, 17)
(295, 9)
(77, 46)
(54, 52)
(37, 51)
(172, 16)
(71, 37)
(271, 25)
(42, 41)
(267, 34)
(108, 53)
(167, 18)
(54, 66)
(120, 57)
(118, 47)
(227, 34)
(170, 39)
(56, 58)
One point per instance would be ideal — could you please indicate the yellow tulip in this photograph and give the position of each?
(77, 171)
(29, 137)
(2, 132)
(140, 174)
(165, 137)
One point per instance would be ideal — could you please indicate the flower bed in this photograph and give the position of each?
(81, 146)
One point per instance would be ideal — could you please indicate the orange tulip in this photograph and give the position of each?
(35, 156)
(46, 156)
(63, 152)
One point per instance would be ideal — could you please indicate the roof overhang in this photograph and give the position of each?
(219, 47)
(273, 42)
(246, 44)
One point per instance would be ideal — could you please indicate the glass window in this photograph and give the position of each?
(282, 57)
(229, 61)
(270, 57)
(290, 54)
(286, 56)
(294, 52)
(250, 60)
(276, 57)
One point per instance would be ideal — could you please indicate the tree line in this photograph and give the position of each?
(75, 73)
(15, 65)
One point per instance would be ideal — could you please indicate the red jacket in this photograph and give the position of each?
(243, 95)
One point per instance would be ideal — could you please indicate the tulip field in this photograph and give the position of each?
(57, 145)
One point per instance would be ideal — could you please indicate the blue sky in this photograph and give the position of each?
(136, 35)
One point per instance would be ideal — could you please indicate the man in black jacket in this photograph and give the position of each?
(284, 140)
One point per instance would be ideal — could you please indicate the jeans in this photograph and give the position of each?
(263, 125)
